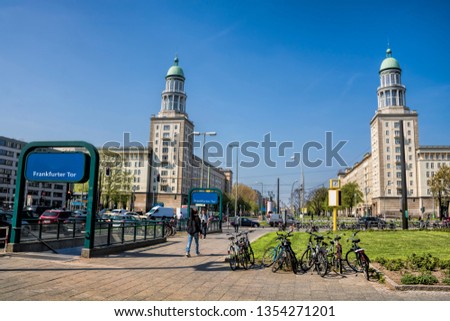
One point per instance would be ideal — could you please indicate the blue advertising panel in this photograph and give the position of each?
(204, 198)
(57, 167)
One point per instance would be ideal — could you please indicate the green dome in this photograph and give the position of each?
(175, 70)
(389, 62)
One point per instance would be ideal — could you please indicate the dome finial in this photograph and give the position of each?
(175, 61)
(388, 52)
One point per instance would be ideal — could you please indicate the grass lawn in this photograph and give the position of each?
(377, 244)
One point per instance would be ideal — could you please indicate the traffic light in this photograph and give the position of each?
(69, 195)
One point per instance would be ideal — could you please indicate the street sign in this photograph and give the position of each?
(204, 198)
(57, 167)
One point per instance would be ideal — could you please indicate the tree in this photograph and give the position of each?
(351, 195)
(247, 199)
(317, 201)
(115, 180)
(440, 188)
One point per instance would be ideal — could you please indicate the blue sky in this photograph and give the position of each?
(93, 70)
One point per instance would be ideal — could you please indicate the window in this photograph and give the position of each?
(166, 127)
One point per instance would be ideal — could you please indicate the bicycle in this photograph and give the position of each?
(236, 255)
(315, 254)
(334, 254)
(248, 248)
(356, 258)
(285, 256)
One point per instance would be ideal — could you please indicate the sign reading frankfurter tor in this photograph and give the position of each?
(57, 167)
(204, 198)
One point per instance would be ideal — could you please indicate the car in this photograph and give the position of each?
(77, 221)
(371, 221)
(124, 220)
(244, 221)
(6, 221)
(54, 216)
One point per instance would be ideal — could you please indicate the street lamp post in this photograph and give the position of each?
(384, 203)
(292, 197)
(237, 178)
(203, 153)
(262, 197)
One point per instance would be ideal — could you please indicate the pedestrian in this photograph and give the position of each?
(237, 220)
(204, 223)
(193, 229)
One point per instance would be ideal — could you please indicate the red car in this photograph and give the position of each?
(53, 216)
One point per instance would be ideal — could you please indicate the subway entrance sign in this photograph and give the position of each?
(204, 197)
(70, 167)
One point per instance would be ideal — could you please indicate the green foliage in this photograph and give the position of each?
(424, 278)
(444, 264)
(392, 264)
(446, 281)
(351, 195)
(422, 262)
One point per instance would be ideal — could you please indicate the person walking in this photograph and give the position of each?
(204, 222)
(237, 221)
(193, 229)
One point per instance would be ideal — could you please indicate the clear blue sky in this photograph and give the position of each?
(93, 70)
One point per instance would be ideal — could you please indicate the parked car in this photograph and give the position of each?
(6, 221)
(77, 221)
(371, 221)
(54, 216)
(124, 220)
(244, 221)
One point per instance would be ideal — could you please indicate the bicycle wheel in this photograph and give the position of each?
(269, 256)
(293, 262)
(353, 261)
(321, 263)
(365, 265)
(232, 258)
(278, 264)
(306, 261)
(243, 260)
(250, 255)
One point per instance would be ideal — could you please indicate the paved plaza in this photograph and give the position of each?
(162, 272)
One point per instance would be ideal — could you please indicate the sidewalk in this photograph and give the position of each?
(162, 272)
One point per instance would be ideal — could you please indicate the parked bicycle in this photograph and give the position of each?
(248, 248)
(356, 257)
(334, 254)
(315, 254)
(281, 256)
(236, 252)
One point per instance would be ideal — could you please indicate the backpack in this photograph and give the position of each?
(190, 227)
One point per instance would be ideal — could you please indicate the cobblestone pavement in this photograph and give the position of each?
(162, 272)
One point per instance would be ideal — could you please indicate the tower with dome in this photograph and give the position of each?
(378, 174)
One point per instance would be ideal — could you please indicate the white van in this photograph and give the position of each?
(158, 212)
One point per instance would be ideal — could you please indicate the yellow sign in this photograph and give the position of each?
(335, 183)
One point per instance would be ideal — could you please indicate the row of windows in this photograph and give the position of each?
(136, 164)
(438, 156)
(10, 144)
(397, 134)
(174, 85)
(396, 124)
(167, 127)
(392, 97)
(438, 165)
(390, 79)
(174, 103)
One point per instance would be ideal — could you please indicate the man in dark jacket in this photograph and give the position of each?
(193, 230)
